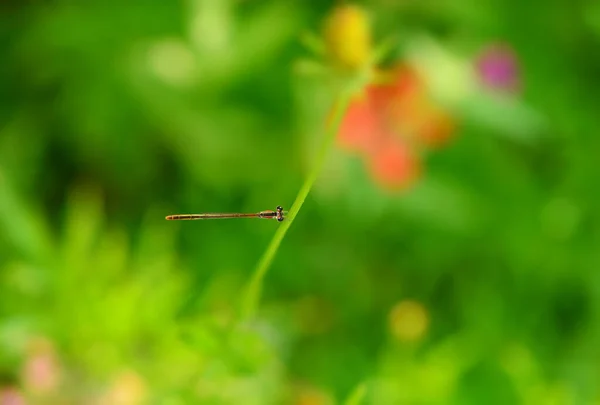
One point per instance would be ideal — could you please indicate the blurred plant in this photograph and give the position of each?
(429, 376)
(392, 119)
(121, 101)
(408, 321)
(128, 388)
(42, 370)
(481, 89)
(497, 68)
(400, 114)
(11, 396)
(115, 307)
(391, 122)
(357, 395)
(309, 395)
(313, 315)
(344, 22)
(347, 36)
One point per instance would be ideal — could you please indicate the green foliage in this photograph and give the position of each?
(479, 284)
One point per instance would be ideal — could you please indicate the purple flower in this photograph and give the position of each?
(498, 69)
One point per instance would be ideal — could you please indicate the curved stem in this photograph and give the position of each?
(252, 292)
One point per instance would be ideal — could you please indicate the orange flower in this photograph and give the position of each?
(406, 107)
(391, 123)
(358, 129)
(394, 166)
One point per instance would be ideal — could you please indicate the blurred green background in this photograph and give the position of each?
(479, 283)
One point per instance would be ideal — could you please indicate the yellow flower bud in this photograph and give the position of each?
(348, 37)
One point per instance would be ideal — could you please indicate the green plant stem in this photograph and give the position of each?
(252, 292)
(357, 395)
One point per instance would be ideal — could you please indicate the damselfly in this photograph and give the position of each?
(278, 214)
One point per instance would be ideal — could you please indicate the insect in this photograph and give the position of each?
(278, 214)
